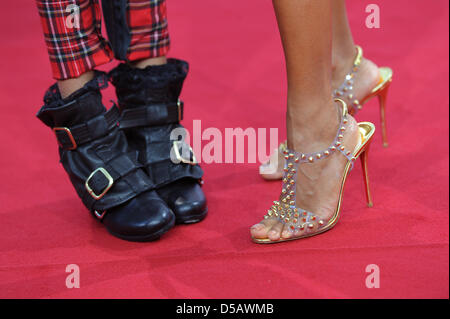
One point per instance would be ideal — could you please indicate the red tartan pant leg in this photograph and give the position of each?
(72, 31)
(147, 21)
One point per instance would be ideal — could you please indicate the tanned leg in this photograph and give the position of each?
(343, 54)
(312, 115)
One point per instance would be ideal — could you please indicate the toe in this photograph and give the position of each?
(299, 232)
(287, 232)
(311, 227)
(275, 232)
(260, 230)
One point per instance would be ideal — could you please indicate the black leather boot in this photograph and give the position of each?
(105, 173)
(151, 110)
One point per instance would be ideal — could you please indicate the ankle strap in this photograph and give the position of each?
(69, 138)
(152, 115)
(336, 145)
(346, 89)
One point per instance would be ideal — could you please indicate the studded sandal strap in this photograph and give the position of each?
(285, 209)
(346, 89)
(300, 158)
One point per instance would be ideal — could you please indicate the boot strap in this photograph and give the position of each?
(71, 138)
(152, 115)
(101, 179)
(124, 169)
(168, 161)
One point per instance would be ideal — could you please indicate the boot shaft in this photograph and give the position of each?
(79, 107)
(152, 85)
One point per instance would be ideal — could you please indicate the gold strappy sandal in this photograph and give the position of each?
(307, 223)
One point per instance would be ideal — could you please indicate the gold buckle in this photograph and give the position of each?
(179, 103)
(69, 133)
(182, 159)
(108, 177)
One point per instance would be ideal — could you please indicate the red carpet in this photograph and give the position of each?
(237, 80)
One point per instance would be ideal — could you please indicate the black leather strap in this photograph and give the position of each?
(152, 115)
(177, 152)
(122, 167)
(70, 138)
(163, 166)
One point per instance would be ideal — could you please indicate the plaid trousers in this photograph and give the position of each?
(72, 32)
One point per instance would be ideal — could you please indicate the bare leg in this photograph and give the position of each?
(308, 59)
(67, 87)
(343, 44)
(343, 54)
(312, 116)
(142, 64)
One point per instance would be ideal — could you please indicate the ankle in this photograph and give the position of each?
(69, 86)
(342, 61)
(142, 64)
(310, 132)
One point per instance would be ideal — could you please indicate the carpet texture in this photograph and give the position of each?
(237, 79)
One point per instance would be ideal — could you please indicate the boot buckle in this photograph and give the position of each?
(181, 158)
(109, 179)
(69, 134)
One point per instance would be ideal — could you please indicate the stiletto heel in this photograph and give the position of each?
(382, 97)
(306, 223)
(345, 91)
(365, 170)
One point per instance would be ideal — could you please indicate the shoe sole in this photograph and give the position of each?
(147, 238)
